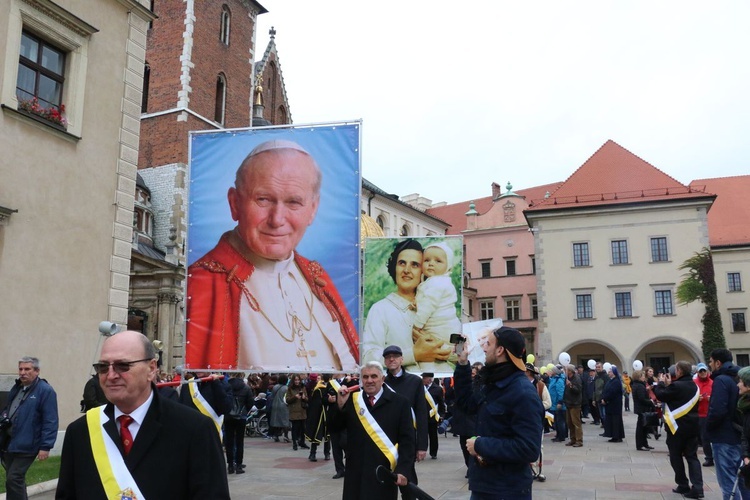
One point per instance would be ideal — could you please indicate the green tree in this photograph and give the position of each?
(699, 284)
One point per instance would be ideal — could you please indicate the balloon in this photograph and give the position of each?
(564, 358)
(543, 370)
(550, 366)
(637, 365)
(530, 358)
(591, 364)
(606, 366)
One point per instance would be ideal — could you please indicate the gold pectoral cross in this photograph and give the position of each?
(302, 352)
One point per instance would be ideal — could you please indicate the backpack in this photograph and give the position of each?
(238, 411)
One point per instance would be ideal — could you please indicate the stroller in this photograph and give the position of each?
(256, 423)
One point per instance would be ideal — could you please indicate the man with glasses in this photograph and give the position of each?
(139, 445)
(28, 424)
(508, 437)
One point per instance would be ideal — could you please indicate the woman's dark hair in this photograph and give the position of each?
(283, 379)
(407, 244)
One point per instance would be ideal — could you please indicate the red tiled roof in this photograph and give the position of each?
(614, 175)
(729, 217)
(455, 214)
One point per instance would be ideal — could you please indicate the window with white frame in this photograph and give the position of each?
(486, 271)
(623, 305)
(46, 55)
(221, 99)
(41, 74)
(659, 249)
(734, 282)
(584, 306)
(226, 20)
(619, 252)
(581, 255)
(513, 309)
(663, 302)
(534, 307)
(738, 321)
(487, 309)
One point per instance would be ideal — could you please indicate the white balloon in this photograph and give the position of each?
(564, 358)
(637, 365)
(591, 364)
(606, 366)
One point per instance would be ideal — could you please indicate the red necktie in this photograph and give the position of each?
(127, 438)
(372, 400)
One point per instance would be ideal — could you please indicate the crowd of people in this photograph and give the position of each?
(487, 405)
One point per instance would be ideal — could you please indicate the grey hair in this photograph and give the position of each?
(275, 146)
(30, 359)
(373, 364)
(571, 368)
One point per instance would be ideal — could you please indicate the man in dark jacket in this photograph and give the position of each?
(212, 398)
(32, 418)
(589, 383)
(234, 423)
(409, 386)
(572, 399)
(508, 436)
(380, 428)
(680, 397)
(436, 414)
(722, 407)
(93, 395)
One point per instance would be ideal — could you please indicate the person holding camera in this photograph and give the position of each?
(28, 426)
(680, 396)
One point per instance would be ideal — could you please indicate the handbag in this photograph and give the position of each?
(650, 419)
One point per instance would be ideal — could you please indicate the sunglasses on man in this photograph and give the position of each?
(118, 366)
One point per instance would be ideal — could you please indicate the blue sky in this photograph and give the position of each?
(519, 91)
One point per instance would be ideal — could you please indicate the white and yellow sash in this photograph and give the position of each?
(376, 433)
(433, 407)
(116, 479)
(671, 416)
(334, 383)
(200, 402)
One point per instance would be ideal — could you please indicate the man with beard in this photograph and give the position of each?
(680, 397)
(508, 438)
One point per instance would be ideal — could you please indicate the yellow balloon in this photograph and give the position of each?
(550, 366)
(530, 358)
(543, 370)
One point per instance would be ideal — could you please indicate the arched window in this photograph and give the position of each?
(144, 97)
(226, 19)
(381, 222)
(221, 99)
(404, 230)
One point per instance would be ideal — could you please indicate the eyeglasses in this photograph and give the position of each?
(118, 366)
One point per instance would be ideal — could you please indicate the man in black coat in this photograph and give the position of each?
(167, 451)
(409, 386)
(393, 418)
(434, 415)
(681, 399)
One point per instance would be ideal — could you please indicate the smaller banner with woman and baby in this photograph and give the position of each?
(412, 299)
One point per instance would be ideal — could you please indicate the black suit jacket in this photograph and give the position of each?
(176, 455)
(393, 413)
(411, 387)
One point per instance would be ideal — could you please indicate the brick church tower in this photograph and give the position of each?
(200, 75)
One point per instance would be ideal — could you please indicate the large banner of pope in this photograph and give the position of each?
(412, 299)
(273, 249)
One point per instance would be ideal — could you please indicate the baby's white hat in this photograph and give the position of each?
(448, 252)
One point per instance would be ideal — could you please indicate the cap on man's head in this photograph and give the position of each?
(276, 144)
(392, 349)
(702, 366)
(514, 344)
(428, 374)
